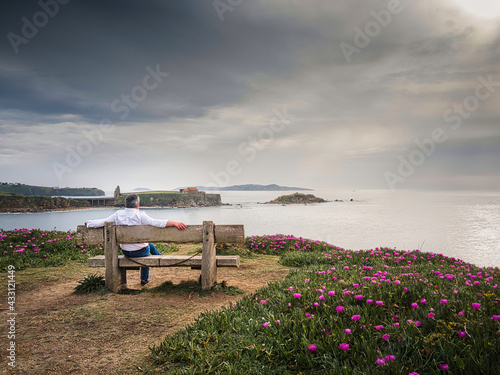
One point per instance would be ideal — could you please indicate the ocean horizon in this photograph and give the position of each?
(457, 223)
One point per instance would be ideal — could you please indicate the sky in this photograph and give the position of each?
(321, 94)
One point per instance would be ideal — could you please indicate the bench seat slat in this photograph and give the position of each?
(166, 261)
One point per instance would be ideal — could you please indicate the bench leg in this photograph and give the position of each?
(208, 258)
(113, 274)
(123, 275)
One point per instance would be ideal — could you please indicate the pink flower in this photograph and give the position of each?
(331, 293)
(379, 327)
(312, 347)
(321, 297)
(444, 367)
(263, 301)
(461, 334)
(413, 373)
(443, 301)
(369, 301)
(414, 305)
(356, 317)
(461, 313)
(496, 317)
(297, 295)
(380, 361)
(431, 315)
(344, 346)
(390, 358)
(340, 309)
(386, 337)
(423, 300)
(347, 331)
(265, 324)
(359, 297)
(476, 306)
(379, 303)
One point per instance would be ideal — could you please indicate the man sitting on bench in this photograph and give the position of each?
(132, 216)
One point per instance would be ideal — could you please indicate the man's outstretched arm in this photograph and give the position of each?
(179, 225)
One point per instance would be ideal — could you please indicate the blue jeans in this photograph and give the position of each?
(149, 250)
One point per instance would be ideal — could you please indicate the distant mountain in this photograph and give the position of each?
(248, 187)
(141, 189)
(34, 191)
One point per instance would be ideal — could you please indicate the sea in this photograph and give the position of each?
(463, 224)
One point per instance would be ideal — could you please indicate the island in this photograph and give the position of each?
(297, 198)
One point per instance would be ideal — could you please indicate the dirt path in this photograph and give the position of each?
(58, 332)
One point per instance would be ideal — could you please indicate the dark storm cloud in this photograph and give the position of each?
(92, 52)
(212, 84)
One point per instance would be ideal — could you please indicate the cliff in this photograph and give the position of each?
(37, 191)
(19, 203)
(175, 199)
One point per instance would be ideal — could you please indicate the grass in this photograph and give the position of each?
(380, 311)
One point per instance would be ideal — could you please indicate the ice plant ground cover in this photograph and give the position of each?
(379, 311)
(24, 248)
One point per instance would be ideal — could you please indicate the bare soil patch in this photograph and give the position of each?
(58, 332)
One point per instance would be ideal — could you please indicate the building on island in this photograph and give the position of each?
(191, 190)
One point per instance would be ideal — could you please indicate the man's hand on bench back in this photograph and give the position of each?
(179, 225)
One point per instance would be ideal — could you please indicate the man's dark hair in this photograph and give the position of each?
(132, 201)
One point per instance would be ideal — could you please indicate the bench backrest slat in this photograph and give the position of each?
(146, 233)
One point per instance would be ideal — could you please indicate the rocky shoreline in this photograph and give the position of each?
(297, 198)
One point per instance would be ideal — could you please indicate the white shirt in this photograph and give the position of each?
(129, 216)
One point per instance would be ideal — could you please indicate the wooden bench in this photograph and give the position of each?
(117, 265)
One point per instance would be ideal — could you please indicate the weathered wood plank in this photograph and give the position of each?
(113, 273)
(229, 233)
(208, 260)
(89, 236)
(228, 261)
(166, 261)
(146, 233)
(97, 261)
